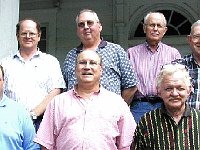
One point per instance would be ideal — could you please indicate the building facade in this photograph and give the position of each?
(121, 20)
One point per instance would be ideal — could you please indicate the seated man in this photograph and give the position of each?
(87, 117)
(16, 127)
(175, 125)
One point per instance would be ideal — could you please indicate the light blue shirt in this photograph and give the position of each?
(16, 127)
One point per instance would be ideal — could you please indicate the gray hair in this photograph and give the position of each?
(170, 69)
(162, 15)
(90, 11)
(197, 23)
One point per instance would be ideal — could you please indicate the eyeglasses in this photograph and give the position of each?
(91, 63)
(28, 34)
(196, 37)
(89, 23)
(154, 25)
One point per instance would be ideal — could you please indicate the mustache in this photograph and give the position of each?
(175, 98)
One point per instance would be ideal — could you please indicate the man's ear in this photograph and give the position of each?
(190, 90)
(144, 28)
(158, 91)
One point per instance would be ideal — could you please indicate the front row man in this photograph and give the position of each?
(175, 125)
(87, 116)
(16, 127)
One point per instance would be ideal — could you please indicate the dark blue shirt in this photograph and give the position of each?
(117, 74)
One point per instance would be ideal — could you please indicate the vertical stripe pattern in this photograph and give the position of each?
(158, 131)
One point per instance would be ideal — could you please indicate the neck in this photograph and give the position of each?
(27, 54)
(92, 45)
(86, 91)
(153, 45)
(177, 113)
(197, 59)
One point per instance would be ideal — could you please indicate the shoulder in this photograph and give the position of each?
(48, 57)
(168, 47)
(137, 47)
(63, 98)
(16, 107)
(71, 55)
(112, 96)
(196, 112)
(114, 47)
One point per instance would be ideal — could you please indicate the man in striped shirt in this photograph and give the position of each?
(176, 125)
(147, 59)
(192, 61)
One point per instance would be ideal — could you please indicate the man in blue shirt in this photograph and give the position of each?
(16, 127)
(118, 75)
(192, 61)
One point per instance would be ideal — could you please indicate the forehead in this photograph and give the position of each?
(155, 18)
(28, 24)
(174, 79)
(86, 16)
(88, 55)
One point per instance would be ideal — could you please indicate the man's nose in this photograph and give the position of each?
(175, 92)
(86, 25)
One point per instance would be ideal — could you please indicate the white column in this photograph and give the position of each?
(9, 16)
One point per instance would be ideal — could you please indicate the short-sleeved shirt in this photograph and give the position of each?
(16, 127)
(194, 71)
(158, 131)
(28, 82)
(117, 74)
(147, 64)
(103, 122)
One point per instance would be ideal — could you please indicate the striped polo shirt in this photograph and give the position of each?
(158, 131)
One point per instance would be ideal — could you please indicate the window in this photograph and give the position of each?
(177, 25)
(43, 41)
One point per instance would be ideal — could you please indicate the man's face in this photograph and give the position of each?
(174, 91)
(88, 68)
(155, 28)
(194, 40)
(28, 36)
(88, 28)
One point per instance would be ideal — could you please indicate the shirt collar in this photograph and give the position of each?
(101, 45)
(148, 47)
(37, 54)
(75, 93)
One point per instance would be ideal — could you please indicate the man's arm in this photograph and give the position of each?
(127, 94)
(40, 109)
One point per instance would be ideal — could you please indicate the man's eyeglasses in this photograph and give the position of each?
(89, 23)
(28, 34)
(154, 25)
(91, 63)
(196, 37)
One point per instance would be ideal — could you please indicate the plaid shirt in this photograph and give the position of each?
(194, 70)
